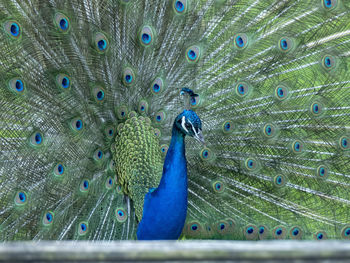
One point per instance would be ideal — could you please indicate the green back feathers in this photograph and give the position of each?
(137, 149)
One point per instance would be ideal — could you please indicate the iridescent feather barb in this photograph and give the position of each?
(90, 91)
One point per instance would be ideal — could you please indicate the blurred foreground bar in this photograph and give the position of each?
(179, 251)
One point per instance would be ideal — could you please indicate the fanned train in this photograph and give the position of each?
(90, 91)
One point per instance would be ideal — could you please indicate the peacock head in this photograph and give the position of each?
(190, 124)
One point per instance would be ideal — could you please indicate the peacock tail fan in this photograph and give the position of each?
(90, 89)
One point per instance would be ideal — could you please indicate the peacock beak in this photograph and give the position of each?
(199, 136)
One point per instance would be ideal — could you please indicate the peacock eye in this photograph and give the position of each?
(329, 4)
(62, 22)
(146, 36)
(13, 29)
(101, 42)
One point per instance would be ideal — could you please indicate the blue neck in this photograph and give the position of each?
(175, 155)
(165, 209)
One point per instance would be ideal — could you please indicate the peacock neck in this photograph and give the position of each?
(175, 156)
(165, 209)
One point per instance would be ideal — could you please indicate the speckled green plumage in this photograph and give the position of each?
(137, 149)
(273, 83)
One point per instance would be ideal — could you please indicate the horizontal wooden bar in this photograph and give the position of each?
(176, 251)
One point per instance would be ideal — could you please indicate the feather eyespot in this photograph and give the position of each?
(242, 89)
(194, 229)
(99, 94)
(180, 6)
(251, 232)
(121, 215)
(164, 149)
(218, 187)
(279, 232)
(285, 44)
(36, 139)
(101, 42)
(98, 155)
(193, 54)
(48, 218)
(329, 4)
(62, 22)
(241, 41)
(84, 186)
(13, 29)
(109, 183)
(344, 143)
(143, 107)
(296, 233)
(160, 117)
(281, 92)
(122, 112)
(345, 233)
(263, 232)
(269, 130)
(157, 86)
(320, 235)
(109, 131)
(317, 108)
(59, 170)
(82, 228)
(77, 124)
(206, 154)
(298, 147)
(146, 36)
(329, 62)
(128, 76)
(227, 127)
(322, 172)
(222, 227)
(17, 85)
(279, 181)
(21, 198)
(251, 164)
(63, 81)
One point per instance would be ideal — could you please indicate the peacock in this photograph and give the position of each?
(174, 119)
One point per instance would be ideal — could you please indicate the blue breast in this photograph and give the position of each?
(165, 209)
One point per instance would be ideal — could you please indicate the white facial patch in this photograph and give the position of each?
(194, 130)
(183, 122)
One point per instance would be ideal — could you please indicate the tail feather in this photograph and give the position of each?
(273, 85)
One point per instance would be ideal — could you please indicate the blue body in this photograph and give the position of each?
(165, 209)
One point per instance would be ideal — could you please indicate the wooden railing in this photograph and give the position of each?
(184, 251)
